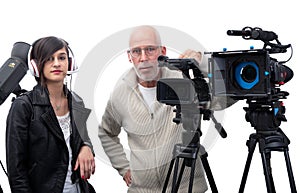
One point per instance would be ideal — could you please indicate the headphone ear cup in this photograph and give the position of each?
(70, 64)
(72, 67)
(33, 68)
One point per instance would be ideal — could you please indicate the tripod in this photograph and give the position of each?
(189, 154)
(189, 149)
(269, 137)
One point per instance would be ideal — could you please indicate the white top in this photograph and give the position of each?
(149, 95)
(64, 122)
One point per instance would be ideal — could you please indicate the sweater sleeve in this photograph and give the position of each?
(108, 133)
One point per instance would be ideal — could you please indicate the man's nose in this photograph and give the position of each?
(143, 55)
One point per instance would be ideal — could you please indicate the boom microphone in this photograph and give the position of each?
(254, 33)
(263, 35)
(239, 33)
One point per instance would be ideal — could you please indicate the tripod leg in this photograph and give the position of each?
(180, 175)
(192, 176)
(175, 175)
(290, 171)
(251, 147)
(209, 173)
(266, 156)
(168, 175)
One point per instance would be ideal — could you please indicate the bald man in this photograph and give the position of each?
(149, 124)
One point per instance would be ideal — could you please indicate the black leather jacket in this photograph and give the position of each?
(36, 152)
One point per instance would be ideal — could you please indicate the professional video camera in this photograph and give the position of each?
(249, 73)
(13, 70)
(11, 73)
(190, 95)
(256, 76)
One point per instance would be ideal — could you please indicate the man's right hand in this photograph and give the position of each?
(127, 178)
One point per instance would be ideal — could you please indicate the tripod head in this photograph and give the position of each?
(266, 114)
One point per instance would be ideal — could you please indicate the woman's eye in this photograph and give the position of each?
(50, 59)
(62, 58)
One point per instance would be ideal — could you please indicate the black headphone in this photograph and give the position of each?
(33, 67)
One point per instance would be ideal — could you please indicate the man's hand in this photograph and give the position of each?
(192, 54)
(86, 162)
(127, 177)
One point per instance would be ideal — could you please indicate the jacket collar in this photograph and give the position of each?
(40, 95)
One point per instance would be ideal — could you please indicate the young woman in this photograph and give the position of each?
(47, 143)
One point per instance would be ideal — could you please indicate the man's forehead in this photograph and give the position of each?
(142, 44)
(142, 41)
(143, 38)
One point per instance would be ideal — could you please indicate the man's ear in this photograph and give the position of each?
(164, 50)
(129, 57)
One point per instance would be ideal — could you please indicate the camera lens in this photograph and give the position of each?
(248, 73)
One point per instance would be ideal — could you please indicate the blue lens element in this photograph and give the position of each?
(247, 74)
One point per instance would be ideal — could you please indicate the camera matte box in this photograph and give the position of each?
(223, 67)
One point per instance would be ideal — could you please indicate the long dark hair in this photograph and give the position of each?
(42, 50)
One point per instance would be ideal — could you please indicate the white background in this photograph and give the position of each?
(85, 24)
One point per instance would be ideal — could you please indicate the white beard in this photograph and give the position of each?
(147, 71)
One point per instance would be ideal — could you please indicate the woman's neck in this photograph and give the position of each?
(55, 90)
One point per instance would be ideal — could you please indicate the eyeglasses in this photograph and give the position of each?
(137, 52)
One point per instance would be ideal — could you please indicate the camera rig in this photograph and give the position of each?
(190, 95)
(256, 76)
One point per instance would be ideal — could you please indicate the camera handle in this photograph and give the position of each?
(218, 126)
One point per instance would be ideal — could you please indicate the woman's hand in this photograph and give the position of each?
(86, 162)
